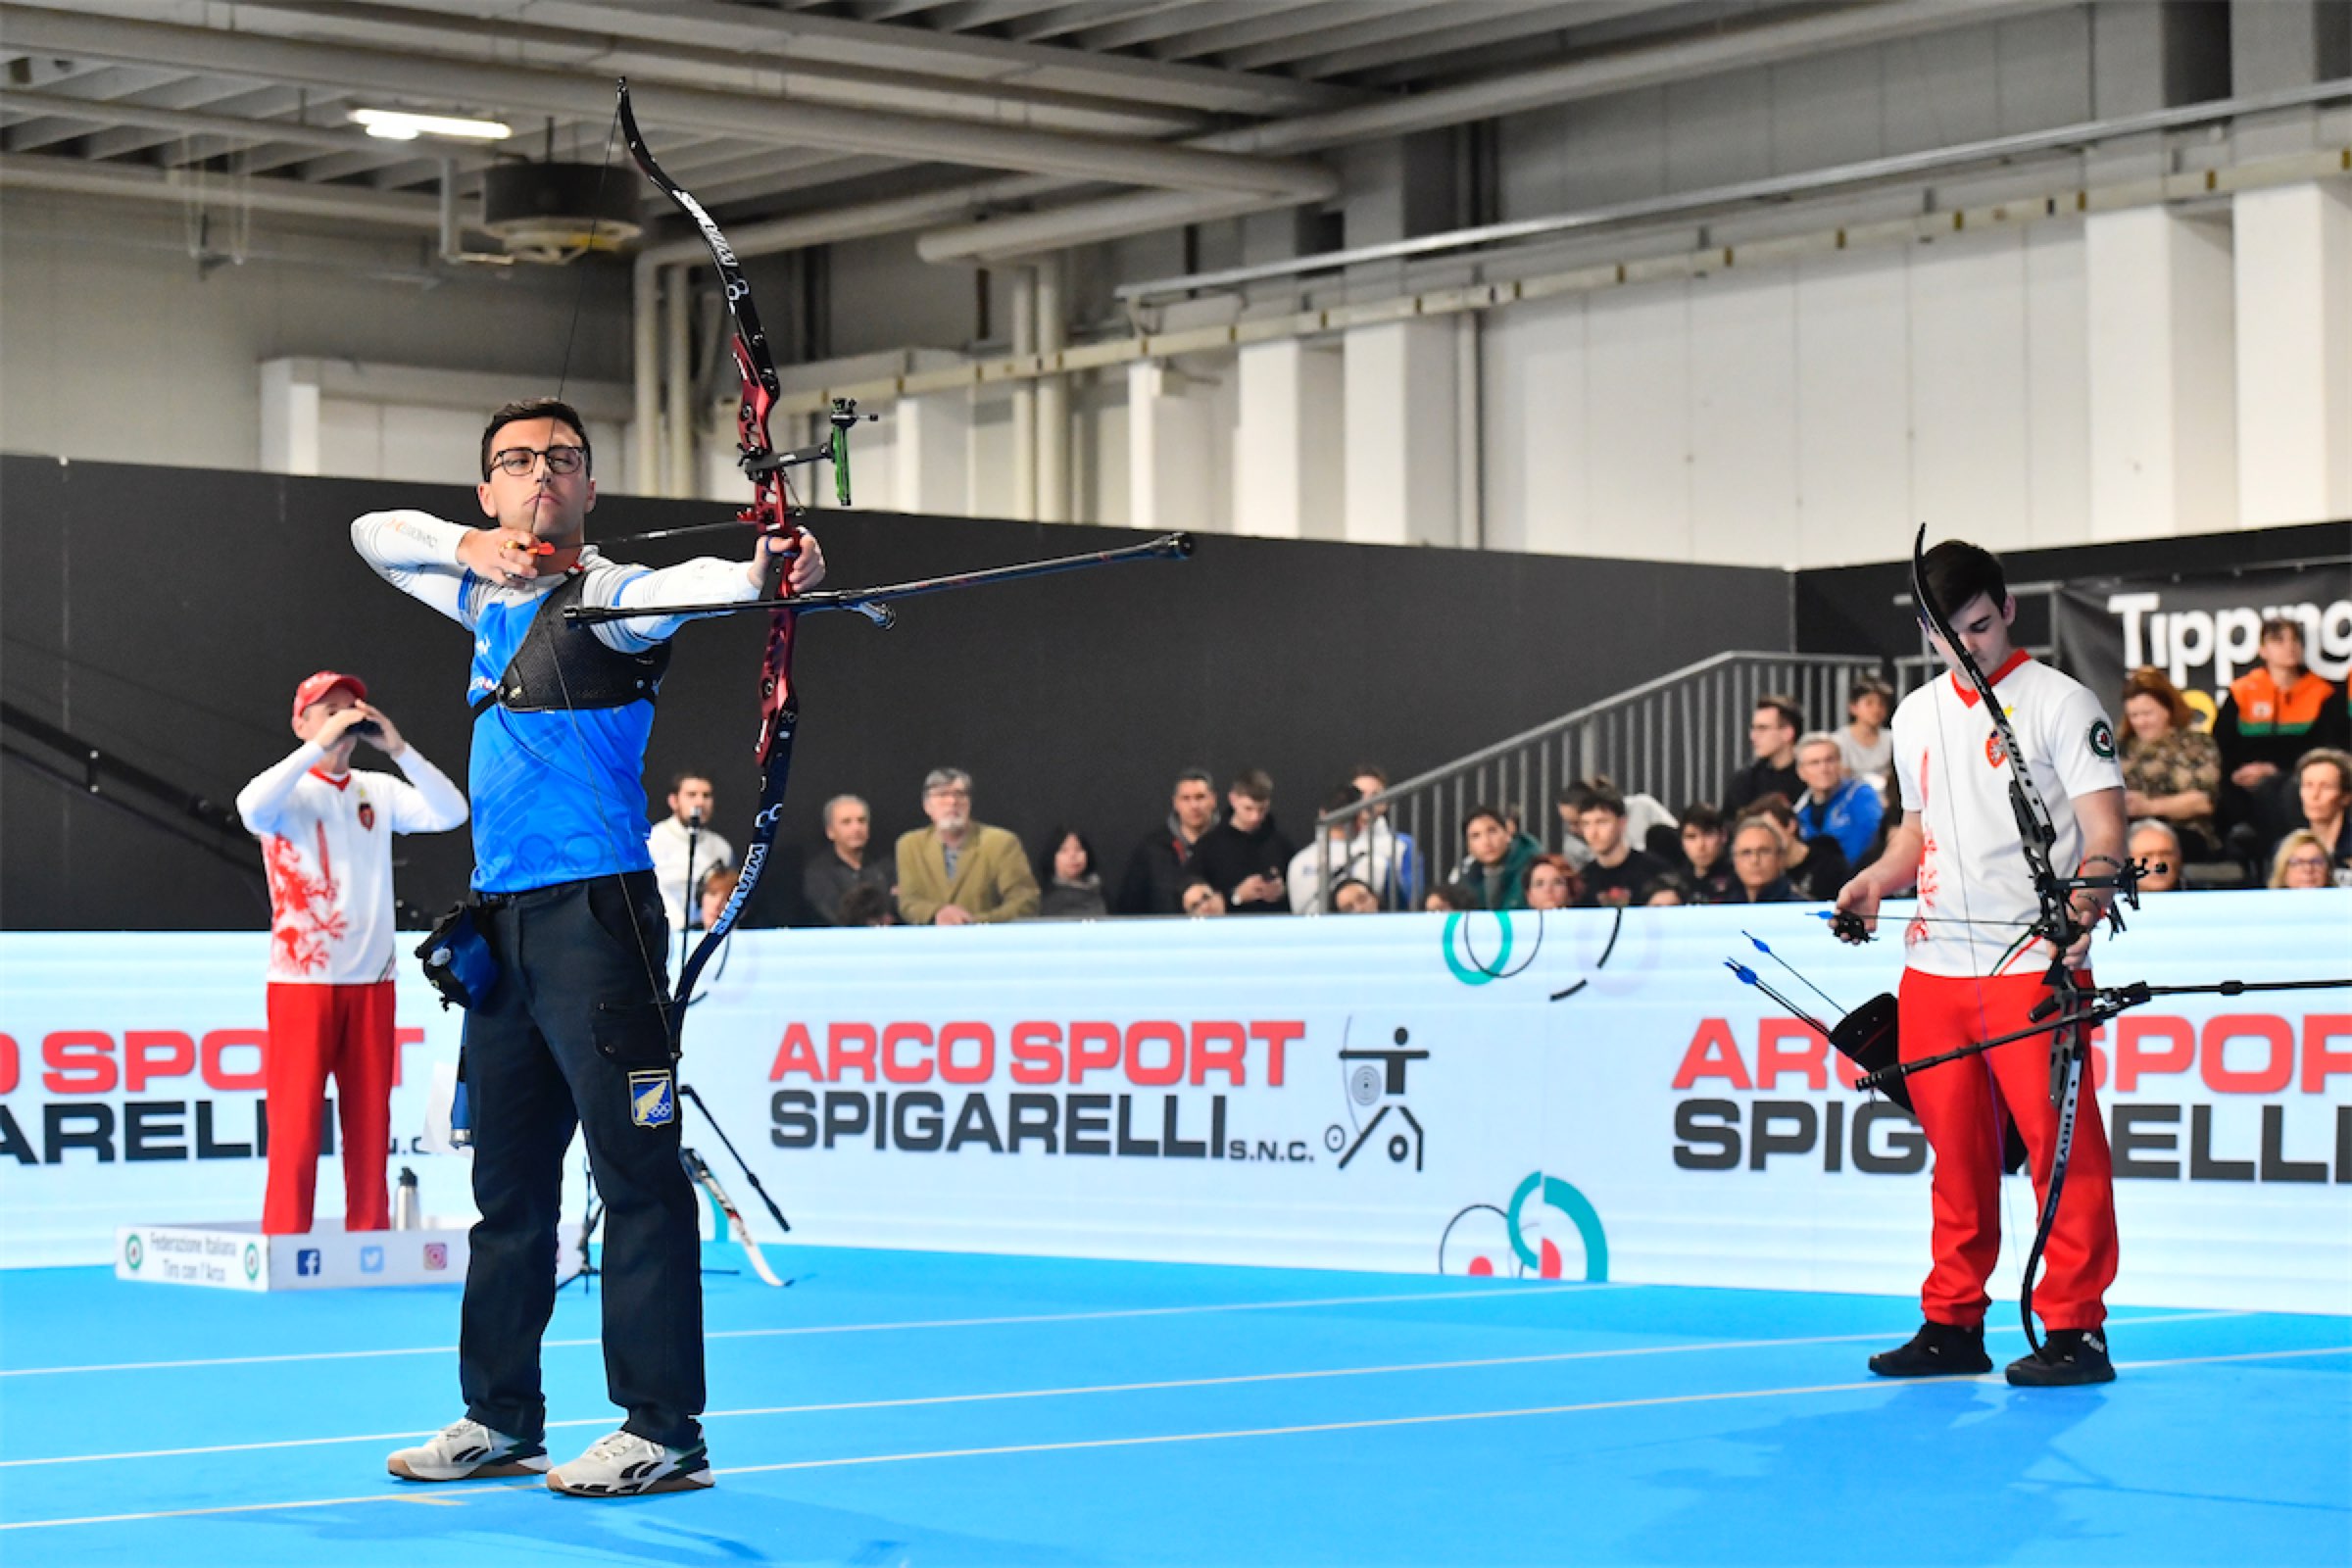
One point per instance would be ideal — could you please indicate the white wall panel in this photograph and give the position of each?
(1968, 388)
(1744, 418)
(1853, 407)
(2057, 385)
(1637, 446)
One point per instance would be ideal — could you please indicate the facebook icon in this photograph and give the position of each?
(306, 1261)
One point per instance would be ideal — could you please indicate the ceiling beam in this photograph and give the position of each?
(511, 89)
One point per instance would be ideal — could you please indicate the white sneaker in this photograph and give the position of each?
(625, 1464)
(466, 1449)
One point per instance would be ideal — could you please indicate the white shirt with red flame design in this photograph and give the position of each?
(326, 843)
(1975, 894)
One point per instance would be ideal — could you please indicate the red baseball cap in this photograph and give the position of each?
(318, 685)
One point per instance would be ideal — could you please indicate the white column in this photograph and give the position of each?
(1289, 471)
(289, 417)
(2294, 355)
(679, 475)
(1024, 397)
(1401, 423)
(2163, 404)
(1167, 451)
(930, 454)
(1053, 397)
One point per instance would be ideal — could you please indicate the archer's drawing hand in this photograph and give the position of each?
(503, 556)
(1859, 899)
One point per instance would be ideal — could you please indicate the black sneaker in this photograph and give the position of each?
(2069, 1357)
(1936, 1350)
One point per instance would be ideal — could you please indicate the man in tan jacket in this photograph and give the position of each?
(957, 871)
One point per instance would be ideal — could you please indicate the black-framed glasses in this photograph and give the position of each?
(519, 460)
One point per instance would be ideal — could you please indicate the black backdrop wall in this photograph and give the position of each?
(164, 616)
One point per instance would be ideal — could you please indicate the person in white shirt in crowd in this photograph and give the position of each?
(1865, 744)
(326, 842)
(693, 806)
(1362, 848)
(1404, 857)
(2154, 842)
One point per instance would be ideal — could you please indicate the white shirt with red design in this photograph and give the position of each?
(1974, 892)
(327, 843)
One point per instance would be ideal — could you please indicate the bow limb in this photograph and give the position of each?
(770, 512)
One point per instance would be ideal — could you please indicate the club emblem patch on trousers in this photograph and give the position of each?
(651, 1100)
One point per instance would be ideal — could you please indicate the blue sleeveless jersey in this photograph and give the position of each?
(556, 797)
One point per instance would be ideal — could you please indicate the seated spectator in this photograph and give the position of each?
(1707, 867)
(2302, 862)
(957, 871)
(2324, 786)
(1756, 854)
(1199, 899)
(1664, 894)
(1550, 883)
(1164, 861)
(1645, 817)
(1617, 871)
(2271, 717)
(864, 904)
(1495, 860)
(1359, 846)
(1451, 897)
(2172, 769)
(1404, 857)
(1816, 868)
(1245, 857)
(1065, 872)
(1835, 807)
(1772, 732)
(1864, 746)
(1351, 896)
(2155, 845)
(717, 888)
(843, 862)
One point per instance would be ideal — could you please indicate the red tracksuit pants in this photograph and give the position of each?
(317, 1030)
(1961, 1107)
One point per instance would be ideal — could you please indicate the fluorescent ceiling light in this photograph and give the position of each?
(398, 125)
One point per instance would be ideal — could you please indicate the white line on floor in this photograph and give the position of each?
(1367, 1424)
(1619, 1352)
(1502, 1294)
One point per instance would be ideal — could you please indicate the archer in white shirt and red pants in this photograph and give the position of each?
(327, 843)
(1970, 973)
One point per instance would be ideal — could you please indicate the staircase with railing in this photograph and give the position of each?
(1677, 737)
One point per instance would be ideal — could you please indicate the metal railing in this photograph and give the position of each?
(1678, 737)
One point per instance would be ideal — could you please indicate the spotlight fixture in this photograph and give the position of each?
(399, 125)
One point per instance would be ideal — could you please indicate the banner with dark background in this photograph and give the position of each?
(164, 616)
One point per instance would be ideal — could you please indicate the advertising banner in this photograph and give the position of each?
(1588, 1094)
(2202, 632)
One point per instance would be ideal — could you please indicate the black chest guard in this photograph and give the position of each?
(563, 664)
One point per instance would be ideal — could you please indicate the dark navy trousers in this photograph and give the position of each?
(573, 1035)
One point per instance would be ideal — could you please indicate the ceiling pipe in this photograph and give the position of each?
(190, 122)
(1091, 222)
(179, 186)
(253, 57)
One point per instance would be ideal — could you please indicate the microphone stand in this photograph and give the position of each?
(688, 903)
